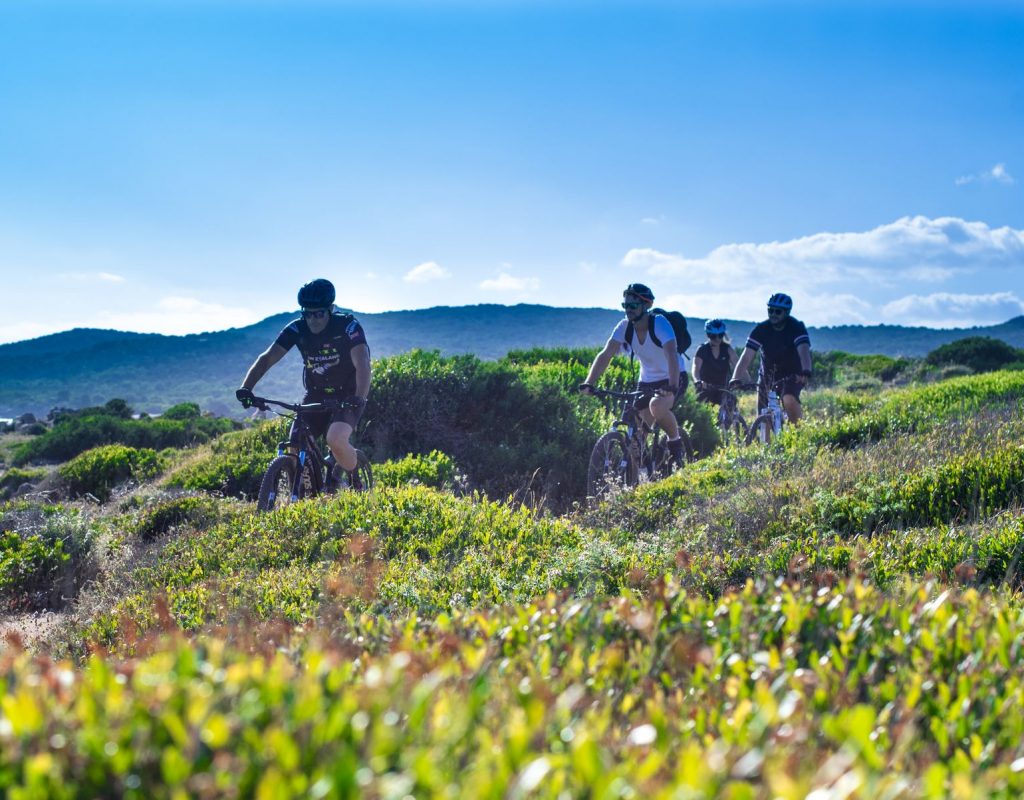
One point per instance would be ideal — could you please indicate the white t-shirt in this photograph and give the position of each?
(653, 364)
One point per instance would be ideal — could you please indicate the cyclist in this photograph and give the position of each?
(336, 365)
(662, 372)
(785, 350)
(713, 362)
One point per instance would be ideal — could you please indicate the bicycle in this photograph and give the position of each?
(772, 417)
(731, 425)
(306, 473)
(622, 452)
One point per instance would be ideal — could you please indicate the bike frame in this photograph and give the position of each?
(636, 426)
(308, 450)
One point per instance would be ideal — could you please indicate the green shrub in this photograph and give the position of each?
(74, 432)
(233, 464)
(835, 367)
(182, 411)
(44, 555)
(196, 511)
(513, 436)
(978, 353)
(16, 476)
(97, 471)
(904, 693)
(433, 469)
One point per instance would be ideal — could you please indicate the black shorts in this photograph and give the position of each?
(790, 386)
(650, 390)
(320, 421)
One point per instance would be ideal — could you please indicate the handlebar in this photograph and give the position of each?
(616, 395)
(302, 408)
(774, 384)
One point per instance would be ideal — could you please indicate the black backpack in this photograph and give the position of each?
(678, 323)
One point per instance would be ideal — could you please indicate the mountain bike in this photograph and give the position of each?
(772, 417)
(732, 428)
(623, 454)
(307, 472)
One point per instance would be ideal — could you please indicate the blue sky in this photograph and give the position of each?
(180, 167)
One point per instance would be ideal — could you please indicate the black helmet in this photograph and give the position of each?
(317, 294)
(780, 300)
(714, 327)
(640, 291)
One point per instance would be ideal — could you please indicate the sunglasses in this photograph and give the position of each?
(315, 313)
(632, 306)
(715, 335)
(776, 312)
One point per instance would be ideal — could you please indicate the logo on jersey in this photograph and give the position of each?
(353, 330)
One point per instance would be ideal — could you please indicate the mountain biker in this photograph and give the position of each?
(713, 362)
(785, 350)
(336, 365)
(662, 372)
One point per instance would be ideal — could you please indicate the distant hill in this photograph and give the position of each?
(86, 366)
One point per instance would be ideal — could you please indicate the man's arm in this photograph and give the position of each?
(804, 351)
(360, 355)
(601, 362)
(672, 359)
(742, 371)
(263, 362)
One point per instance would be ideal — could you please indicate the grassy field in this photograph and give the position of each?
(836, 615)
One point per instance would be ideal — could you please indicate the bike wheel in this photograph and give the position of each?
(760, 429)
(277, 483)
(611, 465)
(659, 459)
(739, 429)
(731, 428)
(361, 478)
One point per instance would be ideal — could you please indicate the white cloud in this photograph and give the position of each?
(176, 315)
(944, 309)
(507, 283)
(653, 220)
(844, 277)
(426, 272)
(888, 254)
(998, 174)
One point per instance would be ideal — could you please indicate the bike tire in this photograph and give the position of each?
(732, 431)
(659, 458)
(760, 429)
(277, 483)
(689, 454)
(362, 479)
(612, 464)
(740, 429)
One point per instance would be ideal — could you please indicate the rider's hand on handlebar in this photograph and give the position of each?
(735, 384)
(245, 397)
(585, 388)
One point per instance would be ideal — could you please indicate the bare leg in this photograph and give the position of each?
(793, 408)
(338, 440)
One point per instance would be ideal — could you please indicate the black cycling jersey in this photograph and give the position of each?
(778, 348)
(326, 356)
(713, 370)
